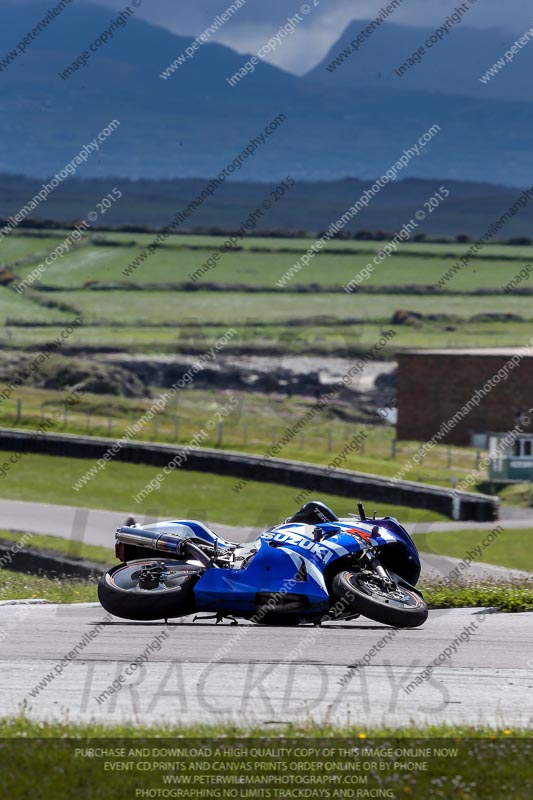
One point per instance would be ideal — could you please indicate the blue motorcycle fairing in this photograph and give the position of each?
(271, 570)
(409, 566)
(338, 538)
(287, 560)
(282, 552)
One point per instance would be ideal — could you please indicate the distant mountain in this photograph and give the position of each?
(452, 66)
(307, 207)
(194, 123)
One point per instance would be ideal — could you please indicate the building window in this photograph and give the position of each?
(523, 448)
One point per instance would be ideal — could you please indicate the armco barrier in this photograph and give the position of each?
(359, 485)
(47, 562)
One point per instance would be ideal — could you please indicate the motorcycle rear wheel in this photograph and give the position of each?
(121, 593)
(362, 592)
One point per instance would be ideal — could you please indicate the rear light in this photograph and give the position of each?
(119, 551)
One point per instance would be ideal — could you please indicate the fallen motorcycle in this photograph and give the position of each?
(310, 568)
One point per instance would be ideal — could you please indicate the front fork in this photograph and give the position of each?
(387, 582)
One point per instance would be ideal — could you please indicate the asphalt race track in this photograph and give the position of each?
(259, 674)
(359, 672)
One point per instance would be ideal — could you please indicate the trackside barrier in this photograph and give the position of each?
(346, 483)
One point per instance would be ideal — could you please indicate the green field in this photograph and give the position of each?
(512, 548)
(191, 495)
(226, 308)
(20, 307)
(19, 246)
(308, 339)
(156, 320)
(147, 312)
(261, 262)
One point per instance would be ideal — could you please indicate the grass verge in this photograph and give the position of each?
(509, 548)
(68, 547)
(62, 761)
(21, 726)
(21, 586)
(512, 596)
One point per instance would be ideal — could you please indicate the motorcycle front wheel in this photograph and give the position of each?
(363, 592)
(148, 589)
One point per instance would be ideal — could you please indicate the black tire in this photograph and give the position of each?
(403, 608)
(120, 594)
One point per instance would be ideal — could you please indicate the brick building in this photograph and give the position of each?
(447, 391)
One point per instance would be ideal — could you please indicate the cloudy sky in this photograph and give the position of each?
(257, 20)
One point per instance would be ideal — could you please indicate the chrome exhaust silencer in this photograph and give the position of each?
(164, 542)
